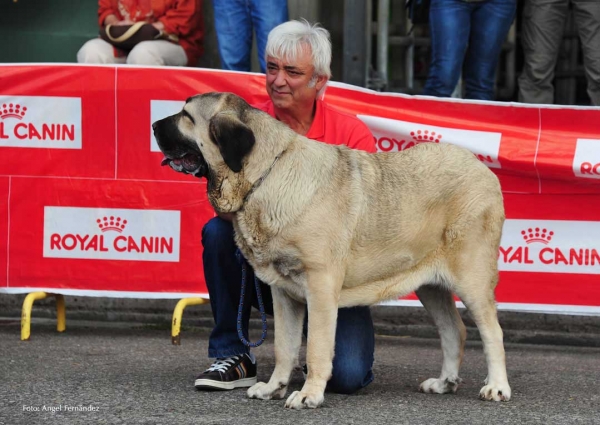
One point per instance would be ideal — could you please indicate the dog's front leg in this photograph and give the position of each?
(322, 299)
(289, 319)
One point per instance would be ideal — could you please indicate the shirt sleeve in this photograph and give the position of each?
(361, 138)
(183, 18)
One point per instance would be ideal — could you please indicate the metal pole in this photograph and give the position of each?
(368, 40)
(383, 25)
(409, 54)
(354, 70)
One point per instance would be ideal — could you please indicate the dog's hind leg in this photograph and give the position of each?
(289, 319)
(478, 296)
(439, 302)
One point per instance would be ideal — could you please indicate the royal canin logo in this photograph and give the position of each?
(30, 130)
(541, 250)
(537, 235)
(13, 111)
(387, 144)
(151, 235)
(589, 169)
(425, 136)
(107, 224)
(395, 135)
(49, 122)
(97, 242)
(586, 162)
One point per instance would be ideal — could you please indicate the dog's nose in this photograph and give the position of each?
(154, 126)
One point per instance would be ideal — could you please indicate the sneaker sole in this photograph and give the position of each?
(209, 384)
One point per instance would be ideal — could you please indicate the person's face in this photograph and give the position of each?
(292, 84)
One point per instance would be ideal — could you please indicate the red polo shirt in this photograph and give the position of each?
(334, 127)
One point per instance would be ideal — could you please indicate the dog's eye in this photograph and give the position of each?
(187, 115)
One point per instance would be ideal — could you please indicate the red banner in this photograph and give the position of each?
(46, 111)
(85, 207)
(107, 235)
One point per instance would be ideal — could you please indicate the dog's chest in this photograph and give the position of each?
(277, 265)
(274, 261)
(251, 238)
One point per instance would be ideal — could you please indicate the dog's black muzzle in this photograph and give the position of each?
(181, 153)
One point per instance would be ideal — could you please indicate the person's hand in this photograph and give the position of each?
(111, 20)
(124, 22)
(226, 216)
(159, 25)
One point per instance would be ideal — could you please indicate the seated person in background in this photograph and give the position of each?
(181, 20)
(298, 57)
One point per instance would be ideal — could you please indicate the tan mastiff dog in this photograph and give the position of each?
(332, 227)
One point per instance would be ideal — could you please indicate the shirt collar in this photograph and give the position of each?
(317, 128)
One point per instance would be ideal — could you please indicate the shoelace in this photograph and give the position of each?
(221, 365)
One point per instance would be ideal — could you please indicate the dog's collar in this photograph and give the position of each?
(262, 178)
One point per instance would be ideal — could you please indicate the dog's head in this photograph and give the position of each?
(208, 131)
(210, 138)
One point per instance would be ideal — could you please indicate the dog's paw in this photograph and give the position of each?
(267, 391)
(495, 392)
(440, 386)
(299, 400)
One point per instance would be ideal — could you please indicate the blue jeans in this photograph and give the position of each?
(467, 36)
(354, 338)
(234, 22)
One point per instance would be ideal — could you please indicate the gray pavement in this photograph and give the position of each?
(127, 373)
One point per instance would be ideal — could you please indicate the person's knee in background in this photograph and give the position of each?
(144, 54)
(157, 53)
(97, 51)
(217, 234)
(348, 382)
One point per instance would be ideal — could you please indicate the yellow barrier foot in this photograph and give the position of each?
(61, 317)
(178, 313)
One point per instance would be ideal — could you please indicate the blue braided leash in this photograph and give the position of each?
(261, 307)
(242, 261)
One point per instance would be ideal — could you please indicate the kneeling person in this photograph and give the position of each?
(298, 57)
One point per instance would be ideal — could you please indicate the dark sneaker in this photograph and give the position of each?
(227, 374)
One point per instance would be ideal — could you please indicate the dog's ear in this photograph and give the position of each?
(233, 138)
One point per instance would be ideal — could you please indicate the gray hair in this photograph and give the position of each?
(288, 39)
